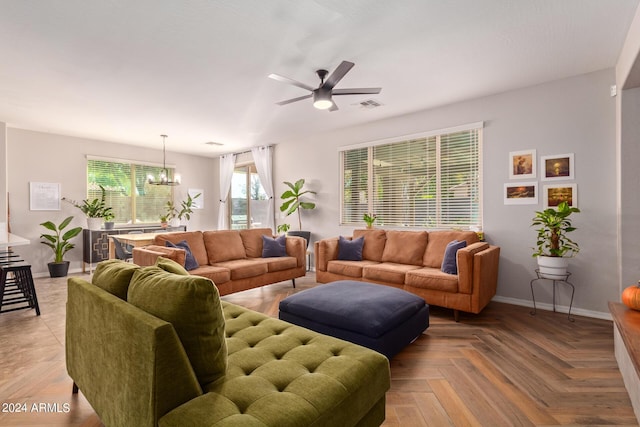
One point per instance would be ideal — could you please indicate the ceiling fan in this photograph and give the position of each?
(322, 95)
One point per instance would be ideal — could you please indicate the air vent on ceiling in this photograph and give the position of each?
(370, 103)
(213, 143)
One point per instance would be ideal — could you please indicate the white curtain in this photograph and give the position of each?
(262, 159)
(227, 165)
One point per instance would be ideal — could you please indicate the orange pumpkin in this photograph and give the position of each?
(631, 297)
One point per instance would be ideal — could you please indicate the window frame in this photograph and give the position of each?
(438, 134)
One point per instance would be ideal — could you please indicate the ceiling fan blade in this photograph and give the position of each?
(290, 81)
(289, 101)
(334, 107)
(338, 74)
(357, 91)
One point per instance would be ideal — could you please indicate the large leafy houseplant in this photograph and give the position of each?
(60, 244)
(554, 225)
(553, 246)
(293, 201)
(96, 208)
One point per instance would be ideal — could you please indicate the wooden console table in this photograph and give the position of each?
(626, 341)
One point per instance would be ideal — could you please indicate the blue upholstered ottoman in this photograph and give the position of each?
(379, 317)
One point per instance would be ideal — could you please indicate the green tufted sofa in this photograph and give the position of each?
(136, 369)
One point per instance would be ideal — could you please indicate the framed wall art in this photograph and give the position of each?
(555, 194)
(44, 196)
(521, 193)
(557, 167)
(522, 164)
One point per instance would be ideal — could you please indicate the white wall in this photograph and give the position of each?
(42, 157)
(574, 115)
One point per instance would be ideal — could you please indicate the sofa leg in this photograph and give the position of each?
(294, 282)
(456, 315)
(75, 388)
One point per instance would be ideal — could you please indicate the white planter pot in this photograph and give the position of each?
(175, 222)
(94, 223)
(554, 268)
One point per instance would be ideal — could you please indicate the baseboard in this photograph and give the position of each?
(549, 307)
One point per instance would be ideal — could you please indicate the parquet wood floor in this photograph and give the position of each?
(500, 368)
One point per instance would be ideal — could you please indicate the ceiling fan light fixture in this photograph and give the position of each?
(163, 178)
(322, 99)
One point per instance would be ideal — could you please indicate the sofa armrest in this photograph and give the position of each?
(297, 247)
(129, 364)
(325, 251)
(147, 255)
(485, 274)
(466, 258)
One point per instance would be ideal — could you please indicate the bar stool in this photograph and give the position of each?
(17, 288)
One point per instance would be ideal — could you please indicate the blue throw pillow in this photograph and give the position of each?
(190, 262)
(274, 247)
(449, 264)
(350, 250)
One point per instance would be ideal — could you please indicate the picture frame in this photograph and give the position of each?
(521, 193)
(44, 196)
(522, 164)
(554, 194)
(557, 167)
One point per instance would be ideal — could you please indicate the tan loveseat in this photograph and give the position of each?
(232, 259)
(411, 260)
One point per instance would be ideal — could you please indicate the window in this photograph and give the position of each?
(249, 201)
(430, 181)
(133, 199)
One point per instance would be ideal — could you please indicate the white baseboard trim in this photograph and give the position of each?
(549, 307)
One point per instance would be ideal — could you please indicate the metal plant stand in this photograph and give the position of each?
(564, 279)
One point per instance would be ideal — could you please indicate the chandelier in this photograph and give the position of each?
(163, 178)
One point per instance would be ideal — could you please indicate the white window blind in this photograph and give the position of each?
(430, 181)
(133, 199)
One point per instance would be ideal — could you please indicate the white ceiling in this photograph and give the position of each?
(130, 70)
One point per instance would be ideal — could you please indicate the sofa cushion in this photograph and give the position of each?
(374, 241)
(387, 272)
(431, 278)
(189, 260)
(245, 268)
(350, 250)
(114, 276)
(438, 241)
(192, 305)
(252, 241)
(171, 266)
(146, 255)
(273, 247)
(217, 275)
(405, 247)
(348, 268)
(223, 245)
(281, 263)
(193, 238)
(449, 263)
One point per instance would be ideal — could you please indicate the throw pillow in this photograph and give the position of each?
(192, 305)
(350, 250)
(190, 261)
(274, 247)
(171, 266)
(449, 264)
(114, 276)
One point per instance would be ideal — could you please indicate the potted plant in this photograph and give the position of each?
(283, 228)
(186, 207)
(293, 202)
(369, 219)
(108, 221)
(171, 214)
(60, 244)
(164, 220)
(553, 246)
(96, 210)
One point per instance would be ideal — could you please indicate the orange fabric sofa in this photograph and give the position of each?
(411, 260)
(232, 259)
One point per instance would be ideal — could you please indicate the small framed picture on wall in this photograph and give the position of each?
(557, 167)
(521, 193)
(522, 164)
(555, 194)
